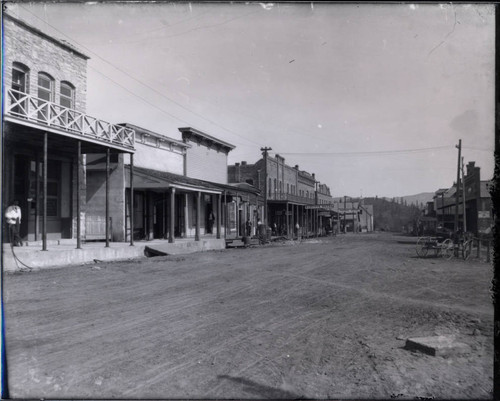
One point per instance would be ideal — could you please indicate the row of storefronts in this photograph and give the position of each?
(81, 178)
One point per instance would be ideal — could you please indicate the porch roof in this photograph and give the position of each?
(145, 178)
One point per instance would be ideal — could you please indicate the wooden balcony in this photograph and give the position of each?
(26, 109)
(281, 196)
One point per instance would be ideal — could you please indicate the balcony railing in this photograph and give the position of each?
(31, 108)
(289, 197)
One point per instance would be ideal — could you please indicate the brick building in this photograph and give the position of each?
(47, 134)
(290, 194)
(478, 204)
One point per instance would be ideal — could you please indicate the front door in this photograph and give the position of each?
(28, 190)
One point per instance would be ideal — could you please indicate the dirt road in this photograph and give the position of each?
(319, 319)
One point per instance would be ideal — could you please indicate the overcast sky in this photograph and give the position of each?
(338, 89)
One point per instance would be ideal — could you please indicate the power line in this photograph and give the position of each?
(141, 82)
(122, 41)
(480, 149)
(376, 152)
(201, 27)
(139, 97)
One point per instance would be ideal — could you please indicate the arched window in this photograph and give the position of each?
(67, 95)
(20, 85)
(20, 77)
(45, 94)
(45, 87)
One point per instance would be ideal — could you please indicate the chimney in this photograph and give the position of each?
(243, 163)
(470, 167)
(314, 176)
(238, 172)
(296, 167)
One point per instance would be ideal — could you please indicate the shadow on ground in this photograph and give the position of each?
(260, 390)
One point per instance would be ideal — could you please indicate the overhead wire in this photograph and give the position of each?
(341, 154)
(141, 82)
(368, 153)
(121, 41)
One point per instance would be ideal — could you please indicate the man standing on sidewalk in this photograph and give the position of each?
(13, 219)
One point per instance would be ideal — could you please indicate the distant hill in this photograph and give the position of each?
(418, 199)
(393, 215)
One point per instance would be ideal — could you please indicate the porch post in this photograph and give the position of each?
(186, 214)
(315, 214)
(78, 195)
(287, 221)
(37, 203)
(198, 211)
(131, 199)
(225, 214)
(164, 226)
(171, 216)
(218, 216)
(44, 207)
(107, 198)
(298, 220)
(150, 215)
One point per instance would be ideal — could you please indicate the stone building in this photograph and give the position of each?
(47, 134)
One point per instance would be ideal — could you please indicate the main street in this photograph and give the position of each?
(325, 318)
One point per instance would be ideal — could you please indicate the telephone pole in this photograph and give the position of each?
(264, 152)
(457, 194)
(463, 196)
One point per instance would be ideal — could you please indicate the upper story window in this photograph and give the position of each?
(45, 94)
(20, 77)
(45, 87)
(67, 95)
(20, 84)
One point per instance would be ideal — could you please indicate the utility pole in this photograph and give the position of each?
(457, 194)
(264, 152)
(345, 228)
(442, 205)
(463, 195)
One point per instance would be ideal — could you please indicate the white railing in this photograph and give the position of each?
(41, 111)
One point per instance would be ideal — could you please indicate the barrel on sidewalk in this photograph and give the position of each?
(246, 240)
(262, 233)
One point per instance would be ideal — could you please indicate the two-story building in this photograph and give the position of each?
(353, 215)
(478, 204)
(47, 134)
(179, 188)
(288, 192)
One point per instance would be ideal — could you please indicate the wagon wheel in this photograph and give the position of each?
(466, 249)
(422, 247)
(447, 248)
